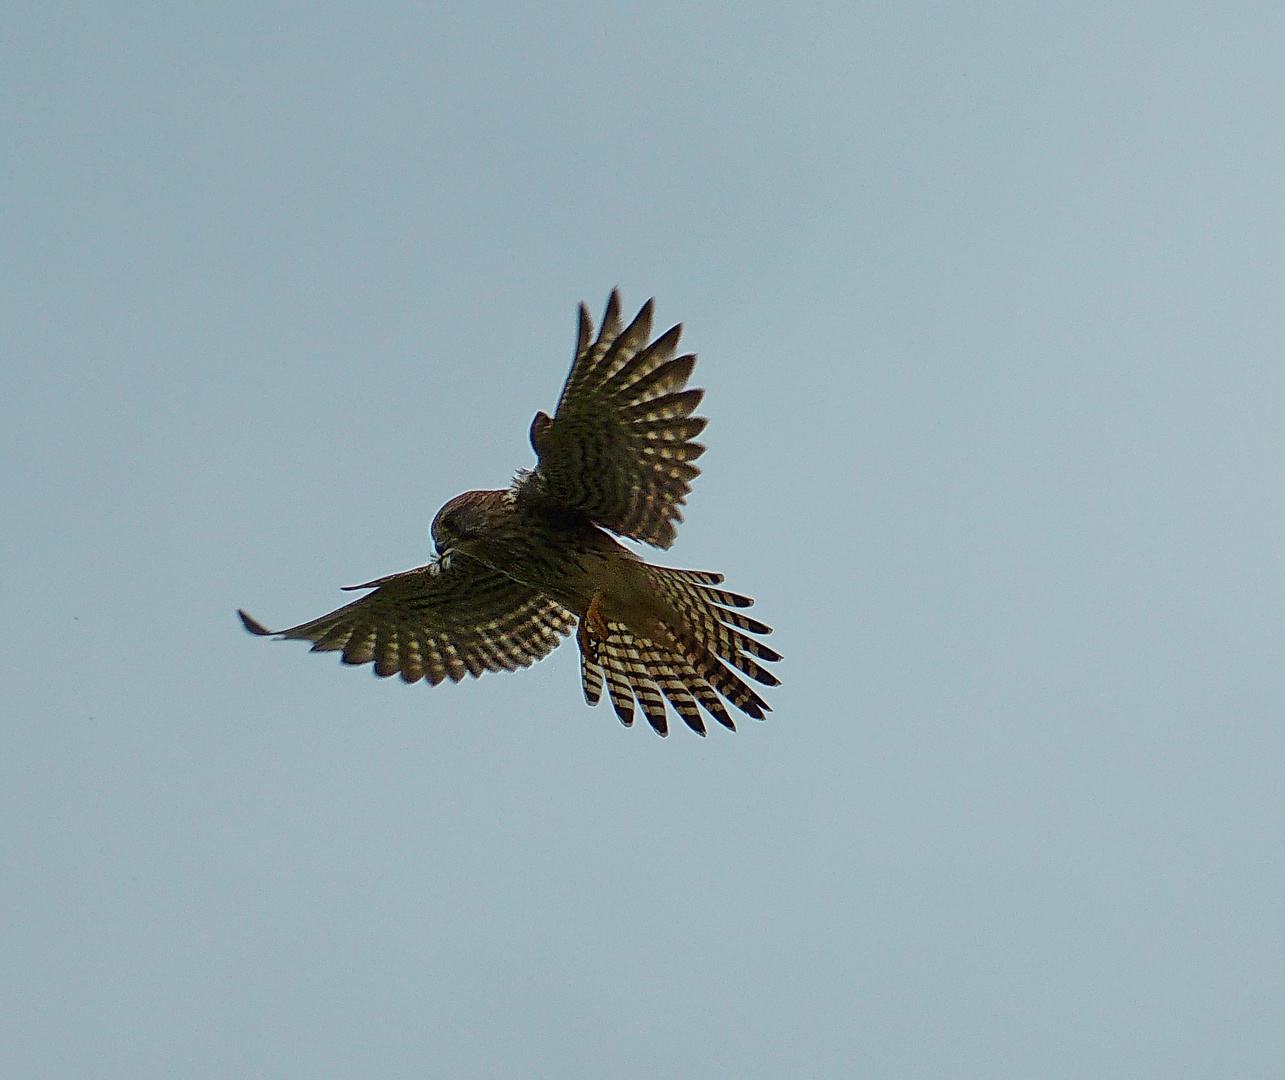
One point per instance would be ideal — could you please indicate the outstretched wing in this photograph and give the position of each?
(619, 448)
(438, 623)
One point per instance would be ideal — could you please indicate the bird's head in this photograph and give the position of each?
(462, 520)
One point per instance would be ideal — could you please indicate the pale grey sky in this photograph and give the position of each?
(989, 307)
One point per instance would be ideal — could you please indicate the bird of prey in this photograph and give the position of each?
(516, 569)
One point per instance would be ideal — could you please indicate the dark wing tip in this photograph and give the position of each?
(253, 625)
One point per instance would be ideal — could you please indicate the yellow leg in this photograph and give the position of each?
(592, 630)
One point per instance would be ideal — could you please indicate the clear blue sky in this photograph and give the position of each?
(990, 305)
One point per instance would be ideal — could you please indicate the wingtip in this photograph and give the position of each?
(253, 625)
(610, 318)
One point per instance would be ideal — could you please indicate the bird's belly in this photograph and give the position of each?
(571, 567)
(559, 571)
(572, 577)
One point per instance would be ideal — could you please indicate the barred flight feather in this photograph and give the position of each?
(435, 624)
(590, 680)
(644, 671)
(619, 448)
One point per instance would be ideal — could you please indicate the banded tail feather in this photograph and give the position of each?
(699, 668)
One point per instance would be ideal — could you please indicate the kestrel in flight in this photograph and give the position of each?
(517, 569)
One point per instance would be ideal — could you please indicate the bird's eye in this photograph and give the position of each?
(439, 531)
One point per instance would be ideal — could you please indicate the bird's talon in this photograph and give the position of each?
(592, 630)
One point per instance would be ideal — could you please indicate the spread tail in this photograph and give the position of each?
(690, 670)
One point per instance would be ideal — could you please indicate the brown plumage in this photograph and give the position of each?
(518, 568)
